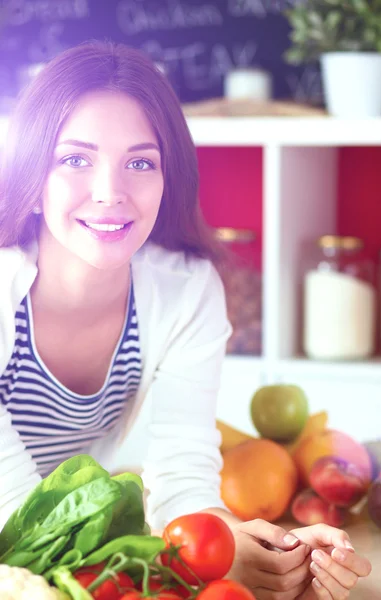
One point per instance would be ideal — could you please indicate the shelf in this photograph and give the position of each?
(368, 370)
(288, 131)
(245, 366)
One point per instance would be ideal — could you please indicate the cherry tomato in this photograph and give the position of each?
(93, 568)
(207, 547)
(164, 595)
(112, 589)
(225, 589)
(173, 589)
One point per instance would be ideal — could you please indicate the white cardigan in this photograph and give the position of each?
(183, 330)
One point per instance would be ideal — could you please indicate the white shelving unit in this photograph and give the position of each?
(299, 204)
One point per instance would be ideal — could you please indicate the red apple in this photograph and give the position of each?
(309, 509)
(374, 501)
(338, 481)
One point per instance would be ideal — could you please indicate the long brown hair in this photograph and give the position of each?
(49, 100)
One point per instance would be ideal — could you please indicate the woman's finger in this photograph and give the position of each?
(292, 580)
(323, 535)
(331, 585)
(271, 534)
(262, 593)
(280, 563)
(359, 565)
(320, 591)
(346, 578)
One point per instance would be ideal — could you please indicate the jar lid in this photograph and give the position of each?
(345, 242)
(229, 234)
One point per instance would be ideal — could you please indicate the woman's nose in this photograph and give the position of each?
(108, 187)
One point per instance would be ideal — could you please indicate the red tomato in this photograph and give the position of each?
(155, 583)
(225, 589)
(93, 568)
(164, 595)
(207, 547)
(108, 590)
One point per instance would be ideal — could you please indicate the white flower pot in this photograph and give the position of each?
(352, 83)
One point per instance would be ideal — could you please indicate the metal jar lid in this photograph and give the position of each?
(230, 234)
(344, 242)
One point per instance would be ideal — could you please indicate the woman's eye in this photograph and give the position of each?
(142, 164)
(75, 161)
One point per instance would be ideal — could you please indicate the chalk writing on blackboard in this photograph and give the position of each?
(256, 8)
(202, 65)
(135, 16)
(197, 42)
(306, 84)
(19, 12)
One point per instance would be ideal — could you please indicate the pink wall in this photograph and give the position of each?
(231, 190)
(231, 186)
(359, 195)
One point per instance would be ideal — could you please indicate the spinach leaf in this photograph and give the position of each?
(73, 512)
(71, 559)
(146, 529)
(36, 539)
(53, 490)
(78, 506)
(129, 477)
(68, 476)
(46, 560)
(39, 560)
(23, 558)
(90, 536)
(137, 546)
(75, 509)
(128, 512)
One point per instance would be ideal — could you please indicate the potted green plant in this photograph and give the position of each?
(345, 35)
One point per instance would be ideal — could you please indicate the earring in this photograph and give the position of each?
(37, 210)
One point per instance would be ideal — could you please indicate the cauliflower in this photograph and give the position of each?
(20, 584)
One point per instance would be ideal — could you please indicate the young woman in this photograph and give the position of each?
(108, 290)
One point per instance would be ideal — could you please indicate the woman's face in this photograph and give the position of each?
(104, 189)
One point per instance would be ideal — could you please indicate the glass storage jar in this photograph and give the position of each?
(339, 301)
(243, 286)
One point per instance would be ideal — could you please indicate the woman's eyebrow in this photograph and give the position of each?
(91, 146)
(87, 145)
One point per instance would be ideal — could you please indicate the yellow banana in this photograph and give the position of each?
(314, 424)
(231, 437)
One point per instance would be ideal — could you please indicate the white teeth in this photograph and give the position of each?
(104, 226)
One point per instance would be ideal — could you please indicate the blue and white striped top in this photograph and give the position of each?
(54, 422)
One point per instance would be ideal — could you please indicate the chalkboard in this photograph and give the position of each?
(196, 41)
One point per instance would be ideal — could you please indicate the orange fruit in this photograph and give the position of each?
(258, 480)
(330, 442)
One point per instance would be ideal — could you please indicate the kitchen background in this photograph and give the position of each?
(287, 169)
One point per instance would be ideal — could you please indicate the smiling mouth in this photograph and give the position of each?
(103, 226)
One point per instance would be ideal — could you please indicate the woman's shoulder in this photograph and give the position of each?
(17, 272)
(167, 278)
(176, 264)
(12, 257)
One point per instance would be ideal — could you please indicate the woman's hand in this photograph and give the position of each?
(279, 573)
(335, 565)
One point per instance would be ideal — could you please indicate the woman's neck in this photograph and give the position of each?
(65, 283)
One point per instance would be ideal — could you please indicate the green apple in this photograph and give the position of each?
(279, 412)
